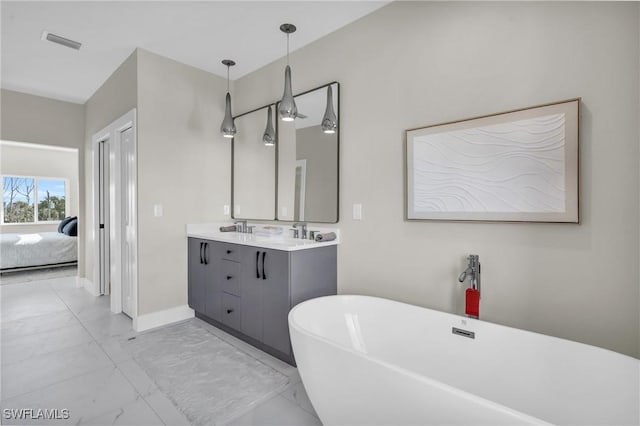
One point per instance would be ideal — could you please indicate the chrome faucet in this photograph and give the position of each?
(303, 230)
(472, 272)
(241, 226)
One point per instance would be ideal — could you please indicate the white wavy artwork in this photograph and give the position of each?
(510, 167)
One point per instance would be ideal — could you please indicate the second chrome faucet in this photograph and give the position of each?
(300, 230)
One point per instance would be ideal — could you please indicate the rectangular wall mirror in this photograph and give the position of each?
(308, 159)
(253, 184)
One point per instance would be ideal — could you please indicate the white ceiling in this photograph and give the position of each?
(200, 34)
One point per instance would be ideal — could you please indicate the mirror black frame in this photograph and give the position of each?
(277, 154)
(337, 149)
(275, 212)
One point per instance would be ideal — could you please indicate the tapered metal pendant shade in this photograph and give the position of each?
(329, 121)
(228, 127)
(269, 136)
(288, 110)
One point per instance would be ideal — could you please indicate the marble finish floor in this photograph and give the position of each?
(37, 274)
(63, 349)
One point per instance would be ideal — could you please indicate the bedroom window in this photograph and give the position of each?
(33, 199)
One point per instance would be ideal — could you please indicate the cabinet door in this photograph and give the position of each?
(196, 275)
(251, 285)
(275, 299)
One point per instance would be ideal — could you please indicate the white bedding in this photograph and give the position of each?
(44, 248)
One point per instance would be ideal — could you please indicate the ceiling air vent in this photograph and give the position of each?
(46, 35)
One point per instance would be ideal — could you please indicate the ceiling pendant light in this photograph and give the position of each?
(288, 110)
(228, 127)
(329, 121)
(269, 136)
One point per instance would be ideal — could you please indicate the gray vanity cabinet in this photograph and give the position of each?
(248, 291)
(204, 287)
(265, 296)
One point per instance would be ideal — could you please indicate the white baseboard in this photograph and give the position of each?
(160, 318)
(88, 285)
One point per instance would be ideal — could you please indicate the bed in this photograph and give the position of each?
(43, 249)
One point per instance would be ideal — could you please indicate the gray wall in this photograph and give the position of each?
(184, 164)
(116, 96)
(38, 120)
(412, 64)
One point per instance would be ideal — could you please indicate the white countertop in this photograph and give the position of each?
(211, 231)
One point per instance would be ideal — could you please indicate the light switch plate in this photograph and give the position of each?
(357, 212)
(157, 210)
(227, 210)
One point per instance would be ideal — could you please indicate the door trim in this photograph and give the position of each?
(116, 184)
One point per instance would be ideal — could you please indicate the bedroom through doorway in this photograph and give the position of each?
(40, 216)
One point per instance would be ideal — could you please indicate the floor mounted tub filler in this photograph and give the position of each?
(371, 361)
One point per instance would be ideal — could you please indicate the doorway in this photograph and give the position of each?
(115, 214)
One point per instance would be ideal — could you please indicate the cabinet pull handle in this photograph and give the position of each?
(257, 267)
(229, 311)
(264, 275)
(228, 251)
(201, 259)
(206, 255)
(229, 277)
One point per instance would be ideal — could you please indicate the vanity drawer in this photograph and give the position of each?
(230, 277)
(231, 310)
(230, 251)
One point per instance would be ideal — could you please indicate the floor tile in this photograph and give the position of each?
(86, 397)
(65, 283)
(165, 409)
(277, 411)
(137, 377)
(36, 324)
(26, 300)
(43, 370)
(30, 345)
(21, 289)
(137, 413)
(297, 393)
(114, 348)
(84, 305)
(112, 325)
(38, 275)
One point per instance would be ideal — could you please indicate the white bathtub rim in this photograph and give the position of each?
(432, 382)
(469, 320)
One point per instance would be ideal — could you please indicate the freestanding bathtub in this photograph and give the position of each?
(370, 361)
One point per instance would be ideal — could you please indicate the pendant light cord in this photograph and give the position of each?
(287, 48)
(228, 66)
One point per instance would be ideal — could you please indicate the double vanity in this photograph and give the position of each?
(246, 284)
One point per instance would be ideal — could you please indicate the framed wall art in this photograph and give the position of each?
(517, 166)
